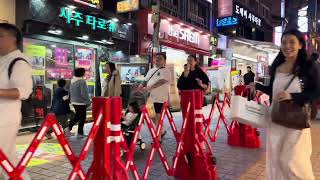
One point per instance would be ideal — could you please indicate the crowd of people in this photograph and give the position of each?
(286, 159)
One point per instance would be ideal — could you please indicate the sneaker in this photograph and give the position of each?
(68, 133)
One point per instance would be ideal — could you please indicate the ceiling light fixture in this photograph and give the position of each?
(115, 19)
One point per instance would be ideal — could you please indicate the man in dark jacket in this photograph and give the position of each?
(248, 77)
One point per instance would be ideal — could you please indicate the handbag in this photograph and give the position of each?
(248, 112)
(290, 114)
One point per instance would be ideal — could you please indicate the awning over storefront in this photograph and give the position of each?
(190, 50)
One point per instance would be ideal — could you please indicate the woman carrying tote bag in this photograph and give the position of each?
(295, 83)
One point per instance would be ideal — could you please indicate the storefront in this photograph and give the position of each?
(177, 40)
(61, 36)
(255, 54)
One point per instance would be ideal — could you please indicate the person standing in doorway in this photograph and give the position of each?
(112, 84)
(16, 85)
(249, 76)
(157, 83)
(80, 100)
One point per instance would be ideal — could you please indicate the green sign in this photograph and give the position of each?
(79, 18)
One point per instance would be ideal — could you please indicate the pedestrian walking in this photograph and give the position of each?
(60, 107)
(157, 82)
(294, 78)
(80, 100)
(16, 85)
(112, 84)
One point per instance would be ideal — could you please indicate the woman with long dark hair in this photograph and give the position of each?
(294, 78)
(112, 84)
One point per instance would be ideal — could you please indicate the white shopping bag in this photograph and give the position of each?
(249, 112)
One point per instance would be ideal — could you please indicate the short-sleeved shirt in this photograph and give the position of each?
(159, 94)
(21, 78)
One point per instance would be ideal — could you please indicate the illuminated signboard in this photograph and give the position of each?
(184, 34)
(94, 22)
(225, 8)
(227, 21)
(247, 15)
(127, 5)
(91, 3)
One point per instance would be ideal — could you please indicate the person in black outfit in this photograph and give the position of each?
(249, 77)
(193, 76)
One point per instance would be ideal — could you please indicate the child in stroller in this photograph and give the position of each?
(129, 122)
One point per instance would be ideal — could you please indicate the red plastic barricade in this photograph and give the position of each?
(156, 146)
(241, 134)
(200, 162)
(102, 165)
(221, 108)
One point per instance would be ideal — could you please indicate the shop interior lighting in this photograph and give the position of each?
(55, 31)
(243, 42)
(110, 41)
(137, 55)
(115, 19)
(169, 19)
(129, 24)
(71, 7)
(318, 20)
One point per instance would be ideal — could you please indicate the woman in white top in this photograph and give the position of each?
(288, 149)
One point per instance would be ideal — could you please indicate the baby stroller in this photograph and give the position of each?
(128, 133)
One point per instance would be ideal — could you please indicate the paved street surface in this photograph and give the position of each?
(233, 162)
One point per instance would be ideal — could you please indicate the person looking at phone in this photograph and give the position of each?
(193, 77)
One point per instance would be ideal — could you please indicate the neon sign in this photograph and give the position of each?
(227, 21)
(94, 22)
(247, 15)
(185, 35)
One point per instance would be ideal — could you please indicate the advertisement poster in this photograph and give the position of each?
(234, 78)
(38, 55)
(132, 73)
(61, 57)
(85, 59)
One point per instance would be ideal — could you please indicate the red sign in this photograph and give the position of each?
(225, 8)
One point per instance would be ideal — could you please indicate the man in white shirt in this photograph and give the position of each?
(15, 86)
(158, 84)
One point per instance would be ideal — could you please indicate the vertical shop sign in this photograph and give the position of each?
(39, 102)
(225, 8)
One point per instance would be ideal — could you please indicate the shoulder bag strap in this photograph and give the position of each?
(290, 82)
(154, 73)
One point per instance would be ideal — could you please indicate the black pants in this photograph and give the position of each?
(80, 116)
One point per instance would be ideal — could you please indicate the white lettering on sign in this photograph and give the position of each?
(247, 15)
(185, 35)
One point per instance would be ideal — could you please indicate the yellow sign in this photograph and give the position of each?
(35, 50)
(127, 5)
(38, 72)
(234, 73)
